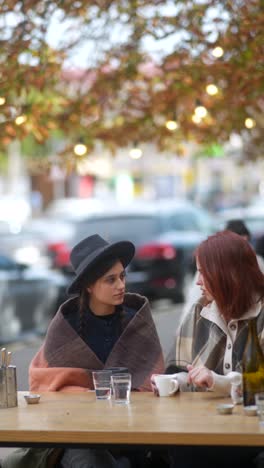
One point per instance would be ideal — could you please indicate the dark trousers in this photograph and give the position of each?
(213, 457)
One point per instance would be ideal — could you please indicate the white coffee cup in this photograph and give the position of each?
(166, 385)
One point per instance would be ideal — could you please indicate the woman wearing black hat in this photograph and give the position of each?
(95, 329)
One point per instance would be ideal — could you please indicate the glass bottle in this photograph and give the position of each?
(253, 366)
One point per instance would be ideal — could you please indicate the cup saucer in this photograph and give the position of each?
(225, 408)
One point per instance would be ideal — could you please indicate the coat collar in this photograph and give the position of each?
(211, 312)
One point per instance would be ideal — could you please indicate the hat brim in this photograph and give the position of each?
(123, 250)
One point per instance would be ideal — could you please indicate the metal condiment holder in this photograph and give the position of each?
(8, 381)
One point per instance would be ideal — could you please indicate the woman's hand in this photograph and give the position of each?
(200, 376)
(153, 385)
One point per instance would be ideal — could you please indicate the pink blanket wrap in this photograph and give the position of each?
(65, 362)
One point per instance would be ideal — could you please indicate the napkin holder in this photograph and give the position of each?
(8, 382)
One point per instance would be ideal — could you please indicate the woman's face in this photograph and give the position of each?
(110, 288)
(201, 282)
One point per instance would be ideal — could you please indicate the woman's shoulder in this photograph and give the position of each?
(69, 306)
(62, 319)
(135, 301)
(193, 315)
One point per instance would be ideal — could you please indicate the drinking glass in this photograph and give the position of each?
(102, 384)
(259, 399)
(237, 385)
(118, 370)
(121, 386)
(237, 393)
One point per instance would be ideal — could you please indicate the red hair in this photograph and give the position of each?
(231, 272)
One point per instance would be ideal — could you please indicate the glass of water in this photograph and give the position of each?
(102, 384)
(121, 387)
(259, 399)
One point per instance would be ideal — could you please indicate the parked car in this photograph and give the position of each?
(73, 208)
(28, 243)
(29, 297)
(15, 211)
(257, 201)
(165, 234)
(254, 219)
(28, 246)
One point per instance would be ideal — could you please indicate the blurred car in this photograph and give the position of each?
(71, 208)
(15, 211)
(257, 201)
(29, 297)
(28, 245)
(165, 234)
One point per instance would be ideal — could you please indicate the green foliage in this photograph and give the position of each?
(211, 151)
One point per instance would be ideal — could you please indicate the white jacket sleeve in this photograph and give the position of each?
(222, 383)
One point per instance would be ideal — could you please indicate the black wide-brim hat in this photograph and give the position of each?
(90, 250)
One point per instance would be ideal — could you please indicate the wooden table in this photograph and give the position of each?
(69, 419)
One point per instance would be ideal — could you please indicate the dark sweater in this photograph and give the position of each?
(101, 333)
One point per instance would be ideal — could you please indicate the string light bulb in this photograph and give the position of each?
(196, 119)
(200, 111)
(80, 149)
(218, 52)
(2, 100)
(135, 152)
(20, 119)
(171, 125)
(212, 89)
(250, 123)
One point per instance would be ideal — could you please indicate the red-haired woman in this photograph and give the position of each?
(213, 334)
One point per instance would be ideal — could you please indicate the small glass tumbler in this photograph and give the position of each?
(259, 400)
(102, 384)
(118, 370)
(121, 386)
(237, 393)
